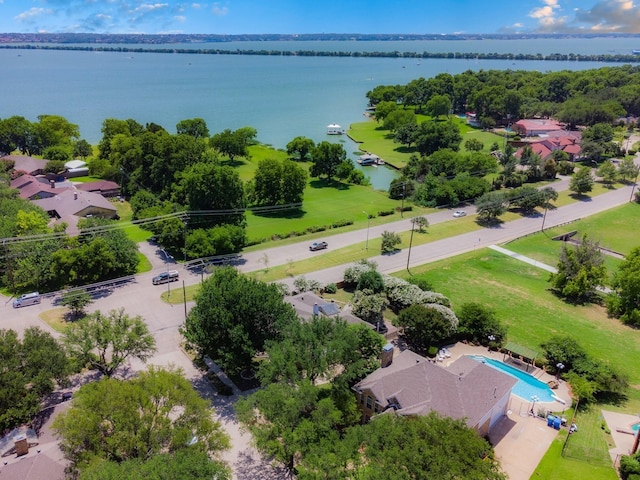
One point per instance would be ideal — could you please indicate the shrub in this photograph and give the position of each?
(341, 223)
(371, 280)
(331, 288)
(352, 274)
(421, 282)
(385, 213)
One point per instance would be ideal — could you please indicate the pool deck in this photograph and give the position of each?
(620, 426)
(519, 439)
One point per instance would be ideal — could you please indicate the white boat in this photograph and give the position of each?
(334, 129)
(370, 159)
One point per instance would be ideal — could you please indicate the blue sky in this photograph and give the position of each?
(314, 16)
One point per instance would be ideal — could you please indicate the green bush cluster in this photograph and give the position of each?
(385, 213)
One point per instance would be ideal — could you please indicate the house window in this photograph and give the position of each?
(361, 398)
(369, 402)
(375, 408)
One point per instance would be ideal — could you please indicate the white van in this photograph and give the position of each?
(165, 277)
(27, 299)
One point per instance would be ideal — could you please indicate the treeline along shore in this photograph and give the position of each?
(613, 58)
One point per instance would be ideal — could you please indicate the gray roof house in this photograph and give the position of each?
(413, 385)
(77, 202)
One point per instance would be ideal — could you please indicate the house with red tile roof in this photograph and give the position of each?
(32, 188)
(410, 384)
(568, 142)
(536, 127)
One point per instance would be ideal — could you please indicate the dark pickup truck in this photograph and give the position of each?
(318, 246)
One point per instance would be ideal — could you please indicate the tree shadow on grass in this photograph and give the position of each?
(324, 183)
(490, 222)
(292, 213)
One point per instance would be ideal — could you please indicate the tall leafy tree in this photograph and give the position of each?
(31, 367)
(195, 127)
(581, 270)
(438, 105)
(326, 157)
(106, 342)
(624, 302)
(234, 316)
(300, 148)
(433, 136)
(582, 181)
(424, 326)
(233, 143)
(155, 413)
(403, 448)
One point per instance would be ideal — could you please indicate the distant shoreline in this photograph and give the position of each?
(609, 58)
(137, 38)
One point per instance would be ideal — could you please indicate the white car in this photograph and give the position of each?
(459, 213)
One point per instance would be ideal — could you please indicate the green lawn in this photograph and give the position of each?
(519, 294)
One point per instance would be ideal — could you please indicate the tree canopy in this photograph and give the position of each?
(31, 368)
(234, 316)
(106, 342)
(154, 413)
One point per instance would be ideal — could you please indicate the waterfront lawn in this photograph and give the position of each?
(519, 294)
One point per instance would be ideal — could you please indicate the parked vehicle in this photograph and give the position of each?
(166, 277)
(459, 213)
(32, 298)
(318, 246)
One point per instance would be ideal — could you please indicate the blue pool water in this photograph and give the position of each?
(635, 427)
(527, 385)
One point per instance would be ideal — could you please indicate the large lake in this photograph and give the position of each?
(281, 96)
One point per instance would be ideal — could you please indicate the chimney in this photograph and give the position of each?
(21, 445)
(75, 195)
(387, 355)
(52, 183)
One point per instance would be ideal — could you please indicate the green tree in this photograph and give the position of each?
(31, 367)
(233, 143)
(207, 186)
(607, 171)
(185, 464)
(581, 270)
(76, 301)
(624, 302)
(383, 109)
(294, 182)
(157, 412)
(234, 316)
(628, 170)
(387, 448)
(289, 421)
(371, 280)
(438, 105)
(398, 119)
(421, 222)
(473, 145)
(195, 127)
(106, 342)
(326, 157)
(390, 240)
(82, 149)
(491, 205)
(433, 136)
(424, 326)
(582, 181)
(300, 148)
(478, 324)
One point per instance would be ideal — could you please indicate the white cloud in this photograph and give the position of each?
(33, 13)
(148, 7)
(219, 10)
(180, 18)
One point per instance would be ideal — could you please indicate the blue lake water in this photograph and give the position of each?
(281, 96)
(527, 386)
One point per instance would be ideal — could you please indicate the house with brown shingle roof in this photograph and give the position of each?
(106, 188)
(410, 384)
(30, 165)
(536, 126)
(32, 188)
(568, 142)
(78, 203)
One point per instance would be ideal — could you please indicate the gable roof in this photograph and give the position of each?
(26, 163)
(98, 186)
(31, 187)
(413, 385)
(74, 202)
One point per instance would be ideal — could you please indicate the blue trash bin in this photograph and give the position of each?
(550, 420)
(556, 423)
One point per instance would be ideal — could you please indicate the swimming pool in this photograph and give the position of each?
(527, 386)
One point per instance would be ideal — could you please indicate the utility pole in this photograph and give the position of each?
(410, 243)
